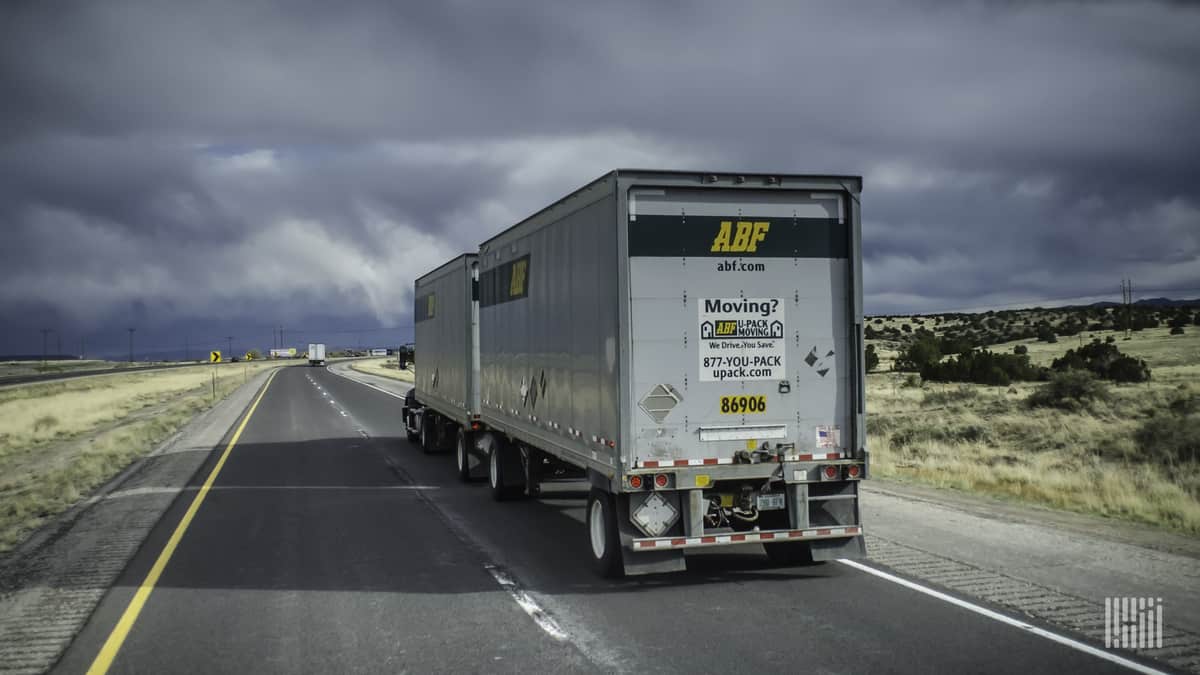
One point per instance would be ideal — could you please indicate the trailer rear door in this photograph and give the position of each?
(741, 323)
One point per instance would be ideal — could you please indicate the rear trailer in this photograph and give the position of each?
(443, 405)
(694, 343)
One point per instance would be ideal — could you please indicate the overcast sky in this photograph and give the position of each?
(216, 169)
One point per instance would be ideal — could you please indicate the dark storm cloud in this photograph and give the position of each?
(232, 160)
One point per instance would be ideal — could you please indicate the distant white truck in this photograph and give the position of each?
(316, 354)
(379, 352)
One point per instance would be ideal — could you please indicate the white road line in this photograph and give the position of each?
(367, 384)
(997, 616)
(539, 615)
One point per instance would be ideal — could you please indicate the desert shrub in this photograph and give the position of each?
(872, 358)
(940, 398)
(956, 344)
(1020, 350)
(1196, 319)
(1110, 339)
(1185, 403)
(1069, 390)
(1177, 330)
(1173, 439)
(1128, 369)
(912, 381)
(967, 433)
(1105, 361)
(920, 353)
(982, 367)
(45, 423)
(906, 328)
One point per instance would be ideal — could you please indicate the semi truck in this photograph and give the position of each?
(689, 343)
(316, 354)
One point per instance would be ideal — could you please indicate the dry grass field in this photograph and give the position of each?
(989, 440)
(383, 367)
(61, 440)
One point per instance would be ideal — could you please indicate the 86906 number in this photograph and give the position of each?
(742, 405)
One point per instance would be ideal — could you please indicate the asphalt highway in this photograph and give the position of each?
(328, 543)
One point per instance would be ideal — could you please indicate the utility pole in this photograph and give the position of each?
(82, 348)
(45, 332)
(1127, 304)
(229, 338)
(131, 344)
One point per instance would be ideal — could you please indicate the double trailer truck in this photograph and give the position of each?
(690, 343)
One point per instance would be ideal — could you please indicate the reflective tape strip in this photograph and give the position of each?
(746, 538)
(708, 461)
(654, 464)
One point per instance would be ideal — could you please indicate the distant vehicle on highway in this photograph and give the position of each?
(690, 343)
(379, 352)
(316, 354)
(285, 353)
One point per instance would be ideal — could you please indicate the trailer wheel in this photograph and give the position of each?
(428, 434)
(499, 464)
(790, 553)
(602, 531)
(464, 462)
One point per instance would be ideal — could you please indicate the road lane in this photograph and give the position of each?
(311, 555)
(332, 544)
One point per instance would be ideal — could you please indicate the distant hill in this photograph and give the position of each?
(1146, 302)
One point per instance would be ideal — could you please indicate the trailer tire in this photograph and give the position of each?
(605, 542)
(464, 441)
(790, 553)
(498, 472)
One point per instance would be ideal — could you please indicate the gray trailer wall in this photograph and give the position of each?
(548, 328)
(442, 327)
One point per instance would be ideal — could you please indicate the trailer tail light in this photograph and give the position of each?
(829, 472)
(853, 472)
(635, 482)
(662, 480)
(475, 426)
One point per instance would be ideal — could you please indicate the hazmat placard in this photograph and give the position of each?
(742, 339)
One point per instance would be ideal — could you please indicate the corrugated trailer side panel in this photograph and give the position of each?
(548, 328)
(442, 330)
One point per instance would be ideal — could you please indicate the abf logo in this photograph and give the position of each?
(726, 328)
(744, 240)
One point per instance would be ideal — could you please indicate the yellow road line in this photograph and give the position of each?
(113, 644)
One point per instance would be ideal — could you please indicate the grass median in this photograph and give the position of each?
(1104, 458)
(61, 440)
(383, 367)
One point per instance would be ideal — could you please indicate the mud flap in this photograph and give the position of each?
(477, 457)
(833, 549)
(643, 562)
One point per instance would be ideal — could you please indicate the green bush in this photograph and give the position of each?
(1105, 361)
(872, 358)
(983, 367)
(1177, 330)
(1174, 439)
(918, 355)
(1020, 350)
(1069, 390)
